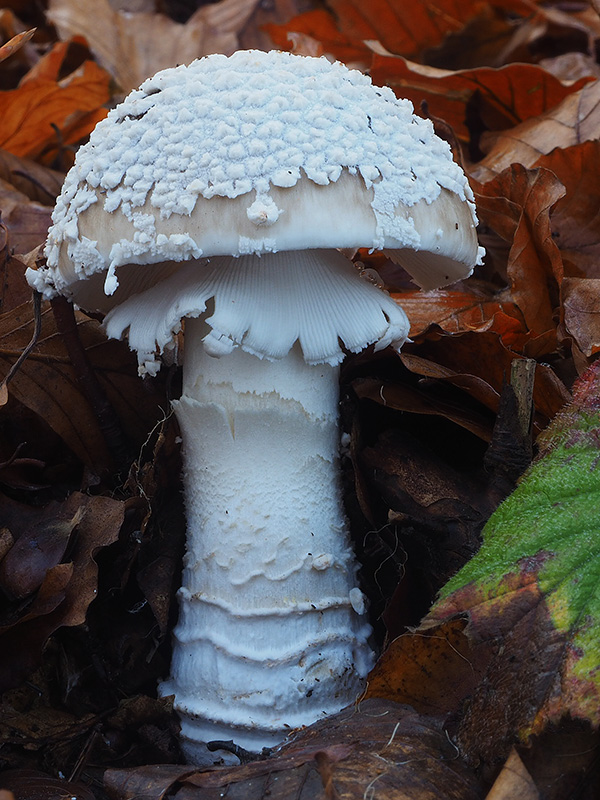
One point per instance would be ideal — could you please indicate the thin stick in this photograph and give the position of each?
(37, 328)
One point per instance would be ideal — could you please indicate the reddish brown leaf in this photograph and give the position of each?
(581, 305)
(31, 111)
(319, 26)
(485, 357)
(575, 218)
(460, 311)
(576, 119)
(517, 206)
(505, 97)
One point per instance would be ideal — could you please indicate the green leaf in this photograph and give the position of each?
(534, 587)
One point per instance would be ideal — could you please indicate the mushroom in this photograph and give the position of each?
(218, 196)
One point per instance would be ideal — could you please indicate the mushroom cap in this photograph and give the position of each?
(231, 158)
(253, 153)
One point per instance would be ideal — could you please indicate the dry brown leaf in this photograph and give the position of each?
(576, 119)
(27, 222)
(460, 311)
(484, 356)
(405, 29)
(517, 205)
(37, 182)
(66, 589)
(377, 749)
(513, 781)
(133, 46)
(575, 218)
(15, 44)
(41, 110)
(47, 384)
(427, 670)
(581, 305)
(499, 98)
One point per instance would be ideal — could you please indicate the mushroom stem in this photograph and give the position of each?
(271, 634)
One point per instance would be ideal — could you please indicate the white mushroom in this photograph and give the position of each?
(220, 193)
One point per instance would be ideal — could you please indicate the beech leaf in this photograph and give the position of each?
(534, 586)
(32, 113)
(517, 205)
(134, 45)
(505, 97)
(574, 120)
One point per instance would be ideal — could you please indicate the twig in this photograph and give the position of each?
(37, 327)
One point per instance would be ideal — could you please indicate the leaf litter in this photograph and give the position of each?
(501, 670)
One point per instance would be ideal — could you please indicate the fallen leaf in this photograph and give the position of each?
(476, 360)
(66, 589)
(513, 781)
(40, 110)
(318, 28)
(36, 551)
(490, 99)
(377, 749)
(575, 219)
(132, 46)
(533, 590)
(37, 182)
(461, 311)
(576, 119)
(407, 30)
(517, 206)
(27, 222)
(581, 307)
(432, 671)
(47, 383)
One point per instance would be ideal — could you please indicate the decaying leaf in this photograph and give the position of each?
(576, 119)
(47, 383)
(61, 589)
(517, 206)
(481, 99)
(378, 749)
(44, 113)
(575, 219)
(134, 45)
(533, 587)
